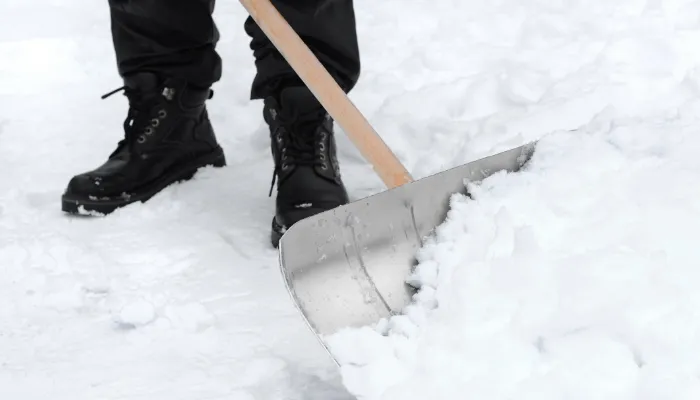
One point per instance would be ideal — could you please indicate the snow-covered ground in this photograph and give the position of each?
(575, 279)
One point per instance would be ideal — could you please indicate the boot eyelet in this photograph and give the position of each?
(142, 139)
(162, 114)
(148, 131)
(322, 147)
(324, 166)
(155, 122)
(322, 157)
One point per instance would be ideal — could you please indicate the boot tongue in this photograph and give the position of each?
(298, 101)
(142, 81)
(146, 84)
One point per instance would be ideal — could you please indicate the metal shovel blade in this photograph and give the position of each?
(347, 267)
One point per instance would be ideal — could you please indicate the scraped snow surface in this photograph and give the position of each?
(574, 279)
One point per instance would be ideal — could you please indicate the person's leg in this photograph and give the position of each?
(302, 139)
(328, 29)
(166, 55)
(173, 38)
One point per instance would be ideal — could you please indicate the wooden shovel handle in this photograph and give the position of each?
(328, 93)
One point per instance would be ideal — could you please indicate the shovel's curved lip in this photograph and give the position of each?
(293, 296)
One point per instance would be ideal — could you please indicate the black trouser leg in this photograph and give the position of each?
(167, 37)
(326, 26)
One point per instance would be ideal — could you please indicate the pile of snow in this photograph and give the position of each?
(574, 279)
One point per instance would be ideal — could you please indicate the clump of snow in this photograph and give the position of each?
(576, 278)
(136, 314)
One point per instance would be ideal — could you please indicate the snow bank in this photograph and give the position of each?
(574, 279)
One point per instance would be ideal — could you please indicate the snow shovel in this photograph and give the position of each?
(347, 267)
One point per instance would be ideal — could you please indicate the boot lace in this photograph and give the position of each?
(141, 120)
(299, 140)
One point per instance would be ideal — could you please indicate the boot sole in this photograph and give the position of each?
(76, 204)
(276, 233)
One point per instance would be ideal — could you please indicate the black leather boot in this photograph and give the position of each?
(304, 153)
(168, 137)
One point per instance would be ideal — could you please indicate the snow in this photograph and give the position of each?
(575, 278)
